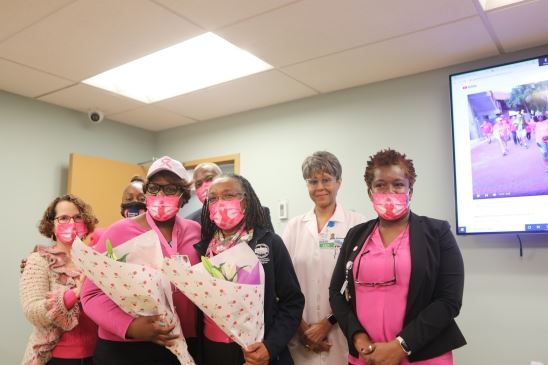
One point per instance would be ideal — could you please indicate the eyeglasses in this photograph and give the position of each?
(326, 181)
(168, 189)
(380, 283)
(225, 196)
(66, 219)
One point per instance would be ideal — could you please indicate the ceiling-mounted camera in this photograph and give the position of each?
(95, 116)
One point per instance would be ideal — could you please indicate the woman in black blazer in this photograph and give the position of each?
(398, 282)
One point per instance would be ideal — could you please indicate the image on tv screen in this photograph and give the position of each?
(500, 143)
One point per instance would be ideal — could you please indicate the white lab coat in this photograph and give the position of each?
(314, 266)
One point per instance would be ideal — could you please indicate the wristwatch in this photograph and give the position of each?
(331, 319)
(404, 346)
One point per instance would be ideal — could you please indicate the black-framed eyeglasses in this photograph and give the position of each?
(380, 283)
(168, 189)
(66, 219)
(225, 196)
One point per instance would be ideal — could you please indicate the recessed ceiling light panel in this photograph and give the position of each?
(195, 64)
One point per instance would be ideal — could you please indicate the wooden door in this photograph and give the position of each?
(100, 183)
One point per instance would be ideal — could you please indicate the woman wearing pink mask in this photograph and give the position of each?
(398, 282)
(233, 215)
(50, 289)
(124, 339)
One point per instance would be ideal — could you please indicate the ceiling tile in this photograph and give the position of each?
(51, 45)
(522, 25)
(25, 81)
(91, 36)
(213, 14)
(19, 14)
(85, 98)
(259, 90)
(151, 118)
(313, 28)
(427, 50)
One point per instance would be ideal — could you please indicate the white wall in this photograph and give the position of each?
(35, 142)
(505, 299)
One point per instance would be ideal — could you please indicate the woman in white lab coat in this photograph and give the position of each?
(313, 241)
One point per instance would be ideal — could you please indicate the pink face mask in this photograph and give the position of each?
(67, 232)
(390, 206)
(201, 192)
(226, 214)
(162, 207)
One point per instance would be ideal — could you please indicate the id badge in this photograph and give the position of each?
(328, 238)
(327, 242)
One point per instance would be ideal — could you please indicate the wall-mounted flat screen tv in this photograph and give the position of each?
(500, 147)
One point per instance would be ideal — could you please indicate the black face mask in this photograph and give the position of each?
(132, 209)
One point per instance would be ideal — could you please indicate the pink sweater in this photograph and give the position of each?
(78, 343)
(113, 322)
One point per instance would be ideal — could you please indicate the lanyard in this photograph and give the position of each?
(171, 250)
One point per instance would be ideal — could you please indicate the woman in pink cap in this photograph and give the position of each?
(124, 339)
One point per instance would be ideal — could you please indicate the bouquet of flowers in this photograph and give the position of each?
(130, 275)
(229, 288)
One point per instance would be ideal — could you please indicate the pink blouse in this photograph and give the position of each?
(112, 321)
(78, 343)
(381, 307)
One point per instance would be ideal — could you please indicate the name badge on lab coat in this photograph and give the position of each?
(328, 238)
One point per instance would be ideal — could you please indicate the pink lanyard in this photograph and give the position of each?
(171, 250)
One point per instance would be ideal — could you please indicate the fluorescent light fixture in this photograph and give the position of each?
(493, 4)
(195, 64)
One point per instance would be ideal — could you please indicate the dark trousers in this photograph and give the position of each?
(216, 353)
(58, 361)
(132, 353)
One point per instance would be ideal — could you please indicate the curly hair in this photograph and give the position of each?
(389, 157)
(184, 186)
(254, 215)
(323, 162)
(46, 226)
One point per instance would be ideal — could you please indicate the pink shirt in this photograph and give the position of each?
(213, 332)
(381, 309)
(113, 322)
(79, 342)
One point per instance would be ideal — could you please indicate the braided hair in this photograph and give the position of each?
(254, 215)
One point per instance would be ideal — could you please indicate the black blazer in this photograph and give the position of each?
(435, 288)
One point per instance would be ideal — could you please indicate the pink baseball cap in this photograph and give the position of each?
(166, 163)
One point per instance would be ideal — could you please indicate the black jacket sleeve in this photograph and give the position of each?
(446, 299)
(290, 300)
(343, 309)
